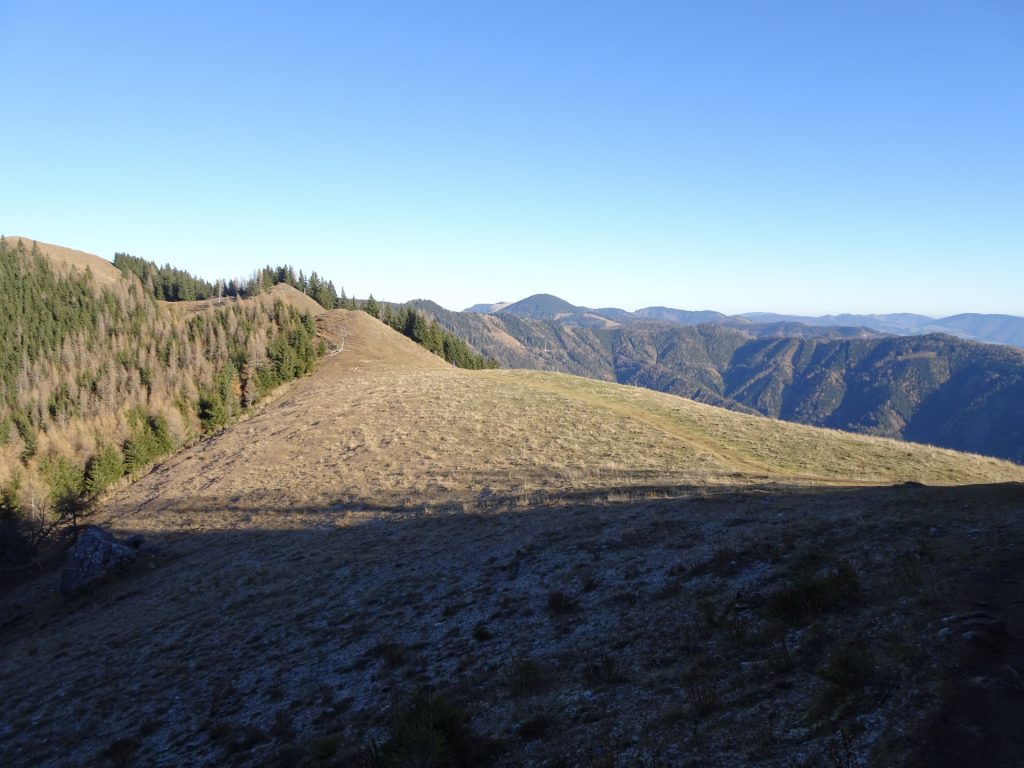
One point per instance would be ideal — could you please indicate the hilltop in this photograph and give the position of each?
(103, 271)
(574, 571)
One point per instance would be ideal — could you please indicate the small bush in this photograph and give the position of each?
(525, 677)
(65, 479)
(122, 752)
(430, 732)
(537, 727)
(805, 598)
(849, 668)
(392, 654)
(561, 603)
(66, 483)
(703, 698)
(847, 671)
(603, 671)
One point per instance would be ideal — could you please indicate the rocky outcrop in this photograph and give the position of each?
(95, 555)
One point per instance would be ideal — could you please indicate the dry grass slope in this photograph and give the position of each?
(103, 270)
(283, 291)
(597, 575)
(386, 425)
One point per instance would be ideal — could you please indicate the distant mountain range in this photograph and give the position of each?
(992, 329)
(931, 388)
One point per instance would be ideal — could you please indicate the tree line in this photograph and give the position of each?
(168, 283)
(428, 333)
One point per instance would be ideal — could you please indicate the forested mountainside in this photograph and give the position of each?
(935, 389)
(96, 381)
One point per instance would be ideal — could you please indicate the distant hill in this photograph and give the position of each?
(936, 389)
(487, 308)
(541, 306)
(897, 323)
(993, 329)
(998, 329)
(680, 316)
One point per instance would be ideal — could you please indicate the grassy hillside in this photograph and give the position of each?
(527, 568)
(933, 389)
(385, 424)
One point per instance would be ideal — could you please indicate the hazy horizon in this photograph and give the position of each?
(797, 159)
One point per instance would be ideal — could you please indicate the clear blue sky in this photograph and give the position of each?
(804, 157)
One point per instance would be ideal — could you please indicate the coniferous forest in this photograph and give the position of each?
(428, 333)
(96, 382)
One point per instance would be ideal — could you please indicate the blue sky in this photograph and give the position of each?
(790, 156)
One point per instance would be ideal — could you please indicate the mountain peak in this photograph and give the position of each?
(541, 306)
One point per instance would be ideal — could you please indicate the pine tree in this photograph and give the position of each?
(371, 307)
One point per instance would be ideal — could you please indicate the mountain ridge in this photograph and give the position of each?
(988, 328)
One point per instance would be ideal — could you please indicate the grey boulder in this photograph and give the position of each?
(93, 557)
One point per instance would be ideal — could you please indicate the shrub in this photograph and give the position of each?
(150, 439)
(525, 676)
(66, 483)
(537, 727)
(807, 597)
(849, 668)
(432, 733)
(603, 671)
(392, 654)
(106, 467)
(561, 603)
(702, 696)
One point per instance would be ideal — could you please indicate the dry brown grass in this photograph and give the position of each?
(287, 293)
(386, 425)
